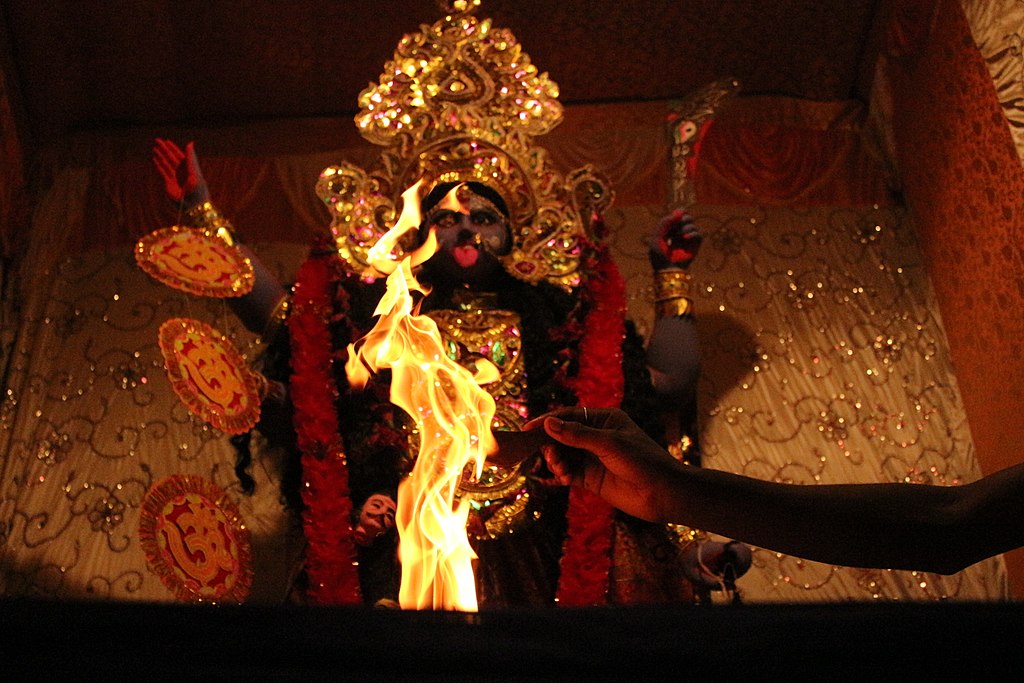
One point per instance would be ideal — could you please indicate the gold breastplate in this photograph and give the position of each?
(500, 497)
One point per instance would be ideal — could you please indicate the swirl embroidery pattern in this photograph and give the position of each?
(195, 540)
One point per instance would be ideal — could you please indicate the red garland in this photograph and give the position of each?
(331, 559)
(587, 550)
(331, 556)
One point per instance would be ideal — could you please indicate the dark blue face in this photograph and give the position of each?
(470, 239)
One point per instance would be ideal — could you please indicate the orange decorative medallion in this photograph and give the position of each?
(195, 261)
(210, 376)
(195, 540)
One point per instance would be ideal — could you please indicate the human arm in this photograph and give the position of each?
(897, 526)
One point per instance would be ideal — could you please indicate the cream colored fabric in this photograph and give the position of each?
(90, 423)
(825, 362)
(824, 356)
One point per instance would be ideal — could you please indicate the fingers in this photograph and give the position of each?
(676, 221)
(592, 417)
(167, 150)
(565, 467)
(671, 219)
(166, 155)
(574, 469)
(559, 466)
(167, 158)
(676, 240)
(682, 228)
(573, 433)
(585, 436)
(681, 239)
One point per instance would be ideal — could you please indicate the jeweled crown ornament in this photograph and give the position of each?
(461, 101)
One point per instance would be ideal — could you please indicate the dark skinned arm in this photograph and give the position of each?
(939, 529)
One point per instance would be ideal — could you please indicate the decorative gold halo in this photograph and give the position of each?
(195, 540)
(460, 100)
(195, 261)
(209, 375)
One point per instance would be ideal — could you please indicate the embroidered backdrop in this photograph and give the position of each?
(825, 359)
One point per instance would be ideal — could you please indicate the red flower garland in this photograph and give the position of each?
(587, 549)
(331, 558)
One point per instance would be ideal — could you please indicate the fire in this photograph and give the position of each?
(453, 416)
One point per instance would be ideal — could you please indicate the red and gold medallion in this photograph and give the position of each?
(195, 261)
(195, 540)
(210, 376)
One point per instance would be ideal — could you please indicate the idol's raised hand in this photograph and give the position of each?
(675, 242)
(183, 179)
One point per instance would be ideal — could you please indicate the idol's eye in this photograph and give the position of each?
(445, 219)
(484, 217)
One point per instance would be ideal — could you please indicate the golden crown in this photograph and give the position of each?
(461, 101)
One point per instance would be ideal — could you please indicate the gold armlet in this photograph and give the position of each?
(671, 283)
(680, 307)
(206, 215)
(671, 293)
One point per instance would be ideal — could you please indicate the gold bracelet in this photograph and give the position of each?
(277, 318)
(677, 307)
(671, 283)
(206, 215)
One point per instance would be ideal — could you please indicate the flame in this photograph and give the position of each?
(381, 255)
(453, 416)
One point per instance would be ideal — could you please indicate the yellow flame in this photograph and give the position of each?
(453, 415)
(451, 200)
(381, 255)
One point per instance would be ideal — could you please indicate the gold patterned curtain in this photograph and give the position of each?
(826, 363)
(824, 355)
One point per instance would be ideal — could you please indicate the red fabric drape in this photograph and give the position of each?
(14, 214)
(760, 150)
(778, 163)
(964, 183)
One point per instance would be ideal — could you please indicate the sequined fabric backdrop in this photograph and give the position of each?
(824, 356)
(825, 362)
(824, 351)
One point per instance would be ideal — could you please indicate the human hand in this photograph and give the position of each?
(609, 455)
(676, 241)
(183, 180)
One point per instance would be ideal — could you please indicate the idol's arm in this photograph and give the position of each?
(263, 307)
(673, 358)
(673, 350)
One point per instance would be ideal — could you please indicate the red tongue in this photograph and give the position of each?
(466, 256)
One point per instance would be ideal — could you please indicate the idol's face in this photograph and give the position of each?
(470, 239)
